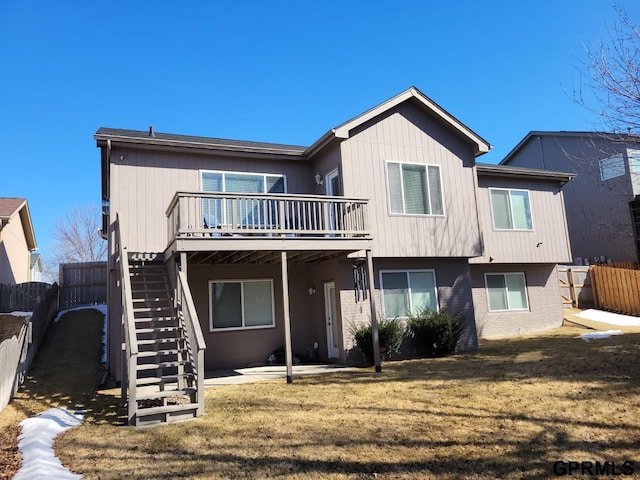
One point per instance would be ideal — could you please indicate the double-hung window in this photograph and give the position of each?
(506, 291)
(241, 304)
(414, 189)
(252, 212)
(405, 292)
(511, 209)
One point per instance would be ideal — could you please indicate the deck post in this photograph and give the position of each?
(374, 319)
(287, 319)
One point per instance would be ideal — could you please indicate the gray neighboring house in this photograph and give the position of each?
(270, 245)
(603, 202)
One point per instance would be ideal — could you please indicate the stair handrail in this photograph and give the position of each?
(128, 323)
(194, 331)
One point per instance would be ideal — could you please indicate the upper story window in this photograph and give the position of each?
(414, 189)
(252, 212)
(511, 209)
(238, 182)
(611, 167)
(405, 292)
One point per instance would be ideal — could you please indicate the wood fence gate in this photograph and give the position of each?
(575, 286)
(83, 284)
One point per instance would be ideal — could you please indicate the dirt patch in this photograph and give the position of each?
(10, 325)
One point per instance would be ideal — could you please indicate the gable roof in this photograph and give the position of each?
(412, 94)
(12, 206)
(613, 136)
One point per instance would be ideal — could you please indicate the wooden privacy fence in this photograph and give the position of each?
(21, 297)
(616, 289)
(575, 286)
(83, 284)
(17, 353)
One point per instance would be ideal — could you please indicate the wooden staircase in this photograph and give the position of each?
(165, 367)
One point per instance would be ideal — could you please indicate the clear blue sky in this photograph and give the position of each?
(278, 71)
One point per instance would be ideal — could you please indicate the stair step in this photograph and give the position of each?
(157, 341)
(155, 366)
(146, 417)
(140, 382)
(156, 330)
(153, 319)
(168, 408)
(152, 309)
(161, 353)
(165, 393)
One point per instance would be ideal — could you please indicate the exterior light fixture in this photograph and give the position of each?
(319, 180)
(312, 290)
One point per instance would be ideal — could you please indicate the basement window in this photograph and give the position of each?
(241, 304)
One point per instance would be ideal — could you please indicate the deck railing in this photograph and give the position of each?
(130, 351)
(196, 345)
(222, 214)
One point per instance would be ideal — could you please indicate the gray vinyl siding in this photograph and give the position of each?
(597, 211)
(241, 348)
(325, 162)
(453, 283)
(543, 292)
(407, 134)
(143, 183)
(546, 243)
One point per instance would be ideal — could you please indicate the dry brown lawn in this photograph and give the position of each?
(510, 410)
(65, 373)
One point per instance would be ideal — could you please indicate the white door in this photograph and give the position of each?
(331, 316)
(333, 187)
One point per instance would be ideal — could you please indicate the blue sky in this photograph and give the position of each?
(279, 71)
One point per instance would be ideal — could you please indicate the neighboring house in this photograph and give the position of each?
(17, 240)
(35, 267)
(603, 202)
(268, 245)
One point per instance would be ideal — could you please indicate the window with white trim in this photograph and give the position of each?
(241, 304)
(407, 291)
(506, 291)
(510, 209)
(255, 212)
(414, 189)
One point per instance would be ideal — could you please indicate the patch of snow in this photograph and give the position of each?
(610, 318)
(21, 314)
(36, 444)
(101, 308)
(587, 337)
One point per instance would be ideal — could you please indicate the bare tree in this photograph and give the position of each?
(76, 237)
(612, 77)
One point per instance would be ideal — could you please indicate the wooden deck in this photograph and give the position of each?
(252, 228)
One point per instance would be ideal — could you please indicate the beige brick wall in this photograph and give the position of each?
(543, 292)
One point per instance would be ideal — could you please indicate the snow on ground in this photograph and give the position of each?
(587, 337)
(21, 314)
(100, 308)
(610, 318)
(36, 444)
(38, 433)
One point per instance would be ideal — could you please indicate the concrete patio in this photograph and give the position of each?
(238, 376)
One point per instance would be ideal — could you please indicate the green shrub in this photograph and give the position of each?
(390, 334)
(436, 333)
